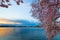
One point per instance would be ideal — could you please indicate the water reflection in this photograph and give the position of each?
(27, 34)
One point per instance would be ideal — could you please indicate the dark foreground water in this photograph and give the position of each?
(28, 34)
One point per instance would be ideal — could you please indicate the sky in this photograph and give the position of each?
(21, 12)
(16, 12)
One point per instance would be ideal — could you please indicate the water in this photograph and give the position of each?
(28, 34)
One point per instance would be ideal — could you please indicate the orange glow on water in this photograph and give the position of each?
(5, 31)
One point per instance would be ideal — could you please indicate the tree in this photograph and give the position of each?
(2, 3)
(46, 12)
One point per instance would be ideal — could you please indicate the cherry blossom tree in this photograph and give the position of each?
(47, 12)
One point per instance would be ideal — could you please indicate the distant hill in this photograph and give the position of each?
(22, 23)
(27, 23)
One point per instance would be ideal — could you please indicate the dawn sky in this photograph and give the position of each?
(17, 12)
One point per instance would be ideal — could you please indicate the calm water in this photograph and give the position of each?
(28, 34)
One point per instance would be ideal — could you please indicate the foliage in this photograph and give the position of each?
(46, 12)
(2, 3)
